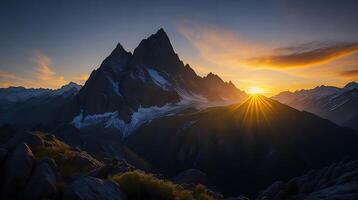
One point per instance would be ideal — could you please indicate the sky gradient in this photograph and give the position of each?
(273, 45)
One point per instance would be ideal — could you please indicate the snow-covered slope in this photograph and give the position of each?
(337, 104)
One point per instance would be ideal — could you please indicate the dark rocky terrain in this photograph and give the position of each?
(36, 166)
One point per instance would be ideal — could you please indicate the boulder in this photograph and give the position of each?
(42, 183)
(17, 170)
(89, 188)
(337, 181)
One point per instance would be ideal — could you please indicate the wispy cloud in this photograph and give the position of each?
(220, 46)
(349, 73)
(82, 78)
(305, 55)
(224, 47)
(10, 79)
(45, 74)
(251, 62)
(42, 74)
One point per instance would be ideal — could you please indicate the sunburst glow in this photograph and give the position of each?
(254, 90)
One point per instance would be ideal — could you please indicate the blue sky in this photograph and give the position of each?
(48, 43)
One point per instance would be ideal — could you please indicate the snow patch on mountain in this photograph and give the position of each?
(115, 86)
(188, 96)
(112, 119)
(158, 79)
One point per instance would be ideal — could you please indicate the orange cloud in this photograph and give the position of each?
(45, 74)
(220, 46)
(41, 75)
(350, 73)
(230, 49)
(9, 79)
(305, 55)
(82, 78)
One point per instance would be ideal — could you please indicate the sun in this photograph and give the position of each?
(254, 90)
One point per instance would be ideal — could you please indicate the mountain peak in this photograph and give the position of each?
(117, 60)
(351, 85)
(161, 33)
(70, 86)
(213, 77)
(157, 52)
(119, 49)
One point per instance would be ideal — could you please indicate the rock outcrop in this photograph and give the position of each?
(89, 188)
(338, 181)
(42, 183)
(17, 171)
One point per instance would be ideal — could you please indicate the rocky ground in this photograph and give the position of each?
(39, 166)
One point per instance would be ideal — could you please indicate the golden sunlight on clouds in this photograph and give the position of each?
(305, 57)
(41, 75)
(350, 73)
(8, 79)
(250, 63)
(45, 74)
(220, 46)
(82, 78)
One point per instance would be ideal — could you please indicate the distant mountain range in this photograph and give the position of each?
(19, 105)
(337, 104)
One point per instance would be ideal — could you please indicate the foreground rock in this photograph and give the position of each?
(89, 188)
(43, 181)
(17, 170)
(338, 181)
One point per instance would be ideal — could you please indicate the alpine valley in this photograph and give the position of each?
(146, 126)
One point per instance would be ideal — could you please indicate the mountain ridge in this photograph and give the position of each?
(336, 104)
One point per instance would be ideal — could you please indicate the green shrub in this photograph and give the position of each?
(140, 186)
(63, 156)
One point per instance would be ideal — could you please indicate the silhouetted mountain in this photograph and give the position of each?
(19, 105)
(129, 89)
(244, 147)
(337, 104)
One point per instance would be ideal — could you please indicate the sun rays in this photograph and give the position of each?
(256, 110)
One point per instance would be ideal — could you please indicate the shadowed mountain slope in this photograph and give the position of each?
(244, 147)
